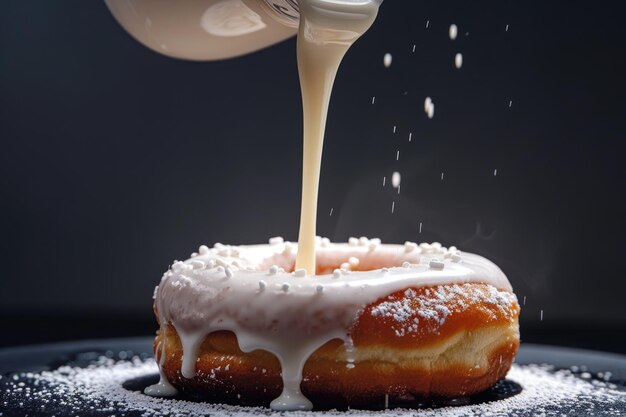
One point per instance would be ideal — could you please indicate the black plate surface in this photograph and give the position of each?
(587, 365)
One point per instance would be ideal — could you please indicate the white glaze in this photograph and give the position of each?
(163, 388)
(270, 308)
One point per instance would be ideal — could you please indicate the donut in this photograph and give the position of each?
(377, 323)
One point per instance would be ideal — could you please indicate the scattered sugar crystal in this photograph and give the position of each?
(395, 179)
(387, 60)
(453, 31)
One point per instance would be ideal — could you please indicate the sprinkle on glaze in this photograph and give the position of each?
(263, 292)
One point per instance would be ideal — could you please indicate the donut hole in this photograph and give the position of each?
(329, 260)
(357, 262)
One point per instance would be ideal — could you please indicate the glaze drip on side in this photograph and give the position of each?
(251, 291)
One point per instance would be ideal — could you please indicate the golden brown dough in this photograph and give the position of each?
(422, 343)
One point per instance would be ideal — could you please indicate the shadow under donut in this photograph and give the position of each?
(503, 389)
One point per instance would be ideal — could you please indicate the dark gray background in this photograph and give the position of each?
(115, 160)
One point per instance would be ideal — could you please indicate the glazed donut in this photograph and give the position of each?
(377, 323)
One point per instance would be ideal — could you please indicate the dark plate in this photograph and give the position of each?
(599, 372)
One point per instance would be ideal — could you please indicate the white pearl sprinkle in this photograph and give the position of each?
(337, 273)
(410, 246)
(203, 250)
(300, 273)
(325, 242)
(406, 264)
(229, 272)
(353, 261)
(319, 288)
(276, 240)
(273, 269)
(436, 264)
(211, 264)
(363, 241)
(353, 241)
(285, 287)
(262, 285)
(197, 264)
(456, 258)
(220, 269)
(345, 266)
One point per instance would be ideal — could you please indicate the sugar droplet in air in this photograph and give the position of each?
(331, 211)
(397, 155)
(453, 31)
(495, 172)
(420, 227)
(373, 99)
(429, 107)
(395, 179)
(427, 23)
(458, 60)
(393, 206)
(384, 181)
(410, 136)
(506, 29)
(387, 60)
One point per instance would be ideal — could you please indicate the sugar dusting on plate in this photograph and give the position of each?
(97, 390)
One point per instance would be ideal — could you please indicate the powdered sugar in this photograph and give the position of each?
(97, 390)
(449, 299)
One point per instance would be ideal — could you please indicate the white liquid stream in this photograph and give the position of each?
(327, 30)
